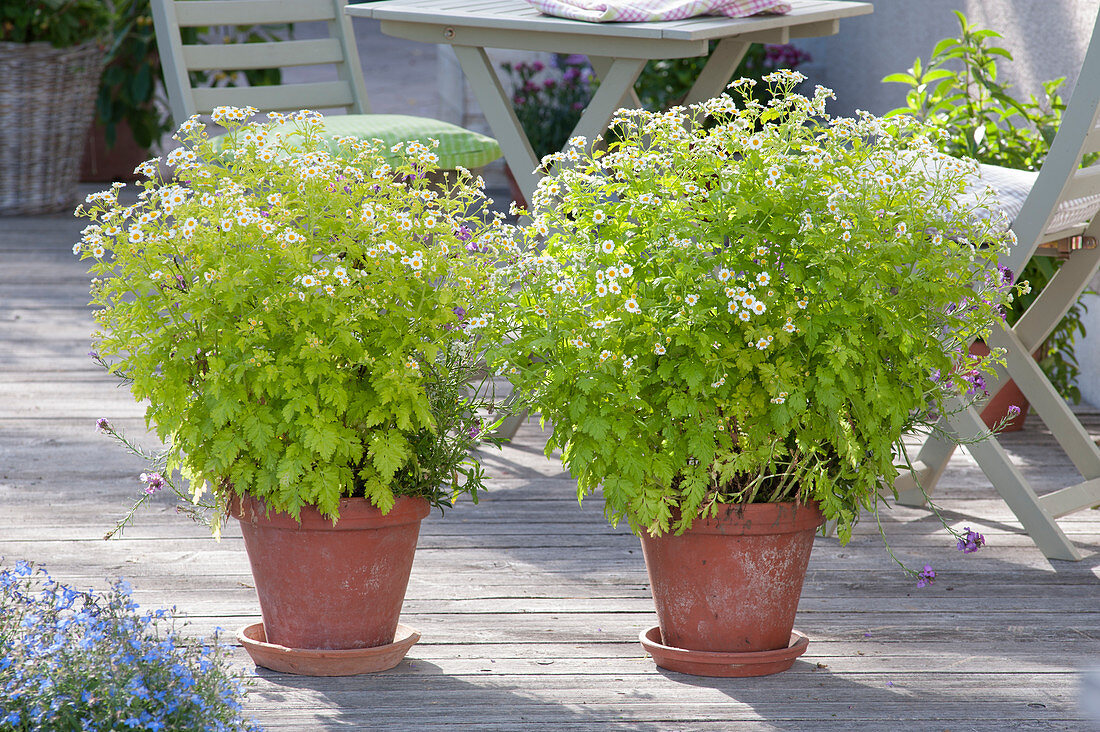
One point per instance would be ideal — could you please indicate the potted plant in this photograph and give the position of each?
(958, 93)
(548, 103)
(305, 327)
(737, 312)
(51, 57)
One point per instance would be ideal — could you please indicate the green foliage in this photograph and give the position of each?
(664, 83)
(301, 324)
(958, 93)
(61, 23)
(749, 304)
(129, 86)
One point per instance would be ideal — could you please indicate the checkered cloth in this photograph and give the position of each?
(632, 11)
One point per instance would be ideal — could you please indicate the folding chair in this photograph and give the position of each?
(1058, 216)
(458, 146)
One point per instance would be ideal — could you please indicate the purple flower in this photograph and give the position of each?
(463, 233)
(970, 542)
(784, 56)
(94, 355)
(1013, 411)
(976, 384)
(181, 283)
(459, 311)
(537, 66)
(153, 482)
(926, 576)
(102, 425)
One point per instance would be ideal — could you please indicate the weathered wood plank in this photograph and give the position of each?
(530, 605)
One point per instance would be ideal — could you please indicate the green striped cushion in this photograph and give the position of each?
(457, 146)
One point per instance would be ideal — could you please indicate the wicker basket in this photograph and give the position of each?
(47, 99)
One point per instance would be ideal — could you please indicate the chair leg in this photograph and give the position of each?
(1014, 488)
(1048, 403)
(929, 464)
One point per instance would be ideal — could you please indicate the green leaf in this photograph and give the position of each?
(900, 78)
(388, 452)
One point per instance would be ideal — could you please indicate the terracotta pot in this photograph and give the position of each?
(331, 587)
(105, 165)
(731, 584)
(1009, 395)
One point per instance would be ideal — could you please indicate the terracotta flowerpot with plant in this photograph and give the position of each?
(305, 328)
(736, 310)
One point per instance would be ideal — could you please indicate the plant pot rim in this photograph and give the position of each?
(355, 514)
(761, 518)
(717, 663)
(320, 662)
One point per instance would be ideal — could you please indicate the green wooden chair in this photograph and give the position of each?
(458, 147)
(1053, 211)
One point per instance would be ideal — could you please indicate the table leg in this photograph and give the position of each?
(500, 115)
(601, 65)
(714, 77)
(616, 83)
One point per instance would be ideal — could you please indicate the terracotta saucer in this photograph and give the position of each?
(713, 663)
(319, 662)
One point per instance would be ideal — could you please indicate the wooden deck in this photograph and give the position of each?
(529, 605)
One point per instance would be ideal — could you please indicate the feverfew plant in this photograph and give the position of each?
(303, 324)
(80, 660)
(739, 303)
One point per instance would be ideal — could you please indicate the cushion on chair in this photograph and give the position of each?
(458, 147)
(1012, 187)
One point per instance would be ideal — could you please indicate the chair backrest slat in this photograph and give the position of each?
(239, 56)
(251, 12)
(178, 60)
(278, 98)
